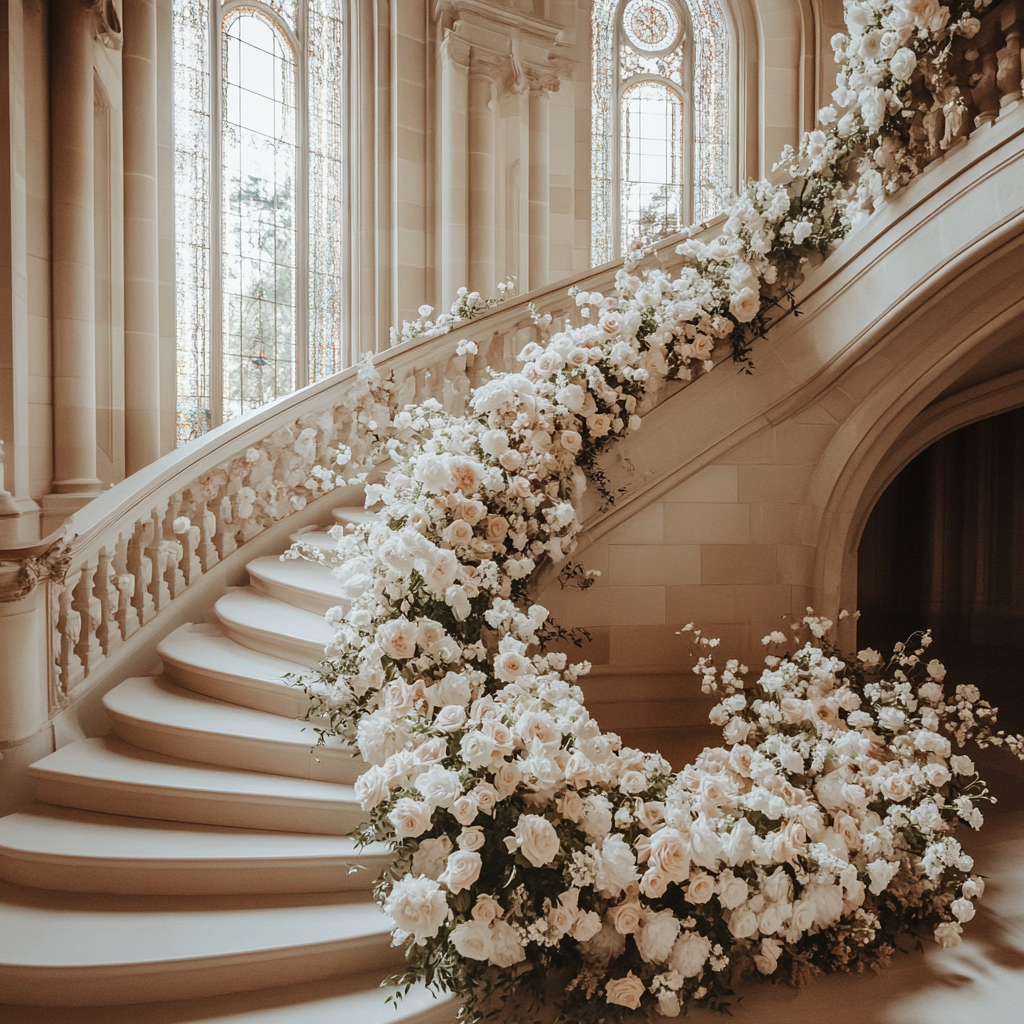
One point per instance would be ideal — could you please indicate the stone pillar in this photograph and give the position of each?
(454, 141)
(74, 295)
(141, 237)
(482, 214)
(540, 184)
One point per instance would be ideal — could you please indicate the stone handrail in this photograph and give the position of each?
(123, 560)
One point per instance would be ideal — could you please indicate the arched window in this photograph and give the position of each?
(258, 219)
(659, 119)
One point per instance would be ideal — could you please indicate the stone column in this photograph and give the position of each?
(454, 134)
(540, 183)
(141, 237)
(482, 112)
(74, 294)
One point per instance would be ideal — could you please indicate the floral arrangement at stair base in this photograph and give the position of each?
(527, 839)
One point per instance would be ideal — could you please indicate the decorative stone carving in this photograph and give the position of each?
(51, 566)
(107, 21)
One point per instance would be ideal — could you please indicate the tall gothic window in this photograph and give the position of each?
(259, 243)
(659, 119)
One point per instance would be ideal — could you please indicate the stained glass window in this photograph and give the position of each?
(659, 119)
(257, 202)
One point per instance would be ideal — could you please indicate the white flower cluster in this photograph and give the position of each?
(467, 306)
(524, 836)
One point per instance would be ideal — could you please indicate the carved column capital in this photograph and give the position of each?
(107, 22)
(455, 49)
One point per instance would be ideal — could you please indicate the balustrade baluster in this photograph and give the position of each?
(1008, 71)
(124, 580)
(69, 630)
(90, 615)
(140, 565)
(172, 549)
(206, 549)
(106, 592)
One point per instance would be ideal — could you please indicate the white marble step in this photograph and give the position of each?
(109, 775)
(202, 658)
(270, 626)
(84, 851)
(343, 999)
(317, 539)
(297, 581)
(79, 949)
(354, 516)
(159, 715)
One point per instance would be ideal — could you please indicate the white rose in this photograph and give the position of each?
(506, 778)
(732, 891)
(586, 927)
(410, 818)
(670, 855)
(506, 949)
(963, 910)
(372, 788)
(744, 305)
(903, 63)
(947, 934)
(472, 939)
(596, 818)
(471, 838)
(668, 1003)
(960, 764)
(397, 638)
(537, 839)
(689, 954)
(450, 718)
(743, 923)
(431, 857)
(439, 786)
(418, 907)
(462, 871)
(702, 888)
(465, 809)
(657, 936)
(477, 749)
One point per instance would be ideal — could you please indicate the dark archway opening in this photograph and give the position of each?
(944, 547)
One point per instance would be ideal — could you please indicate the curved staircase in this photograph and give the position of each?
(196, 860)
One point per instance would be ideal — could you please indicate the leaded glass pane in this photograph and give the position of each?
(259, 171)
(652, 163)
(192, 217)
(324, 57)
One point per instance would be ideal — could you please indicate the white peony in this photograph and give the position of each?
(657, 936)
(506, 947)
(431, 857)
(418, 907)
(689, 954)
(616, 866)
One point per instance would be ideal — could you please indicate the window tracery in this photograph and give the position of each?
(659, 119)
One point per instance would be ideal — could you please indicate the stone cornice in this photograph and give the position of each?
(496, 12)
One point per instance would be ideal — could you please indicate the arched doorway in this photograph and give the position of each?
(944, 547)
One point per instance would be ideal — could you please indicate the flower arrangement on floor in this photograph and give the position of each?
(526, 839)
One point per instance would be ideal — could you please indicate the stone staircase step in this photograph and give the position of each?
(84, 851)
(203, 659)
(265, 624)
(297, 581)
(316, 539)
(80, 949)
(343, 999)
(156, 714)
(106, 774)
(354, 516)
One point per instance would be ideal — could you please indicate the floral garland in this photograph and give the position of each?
(525, 838)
